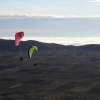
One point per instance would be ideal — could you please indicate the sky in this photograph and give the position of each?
(50, 17)
(83, 8)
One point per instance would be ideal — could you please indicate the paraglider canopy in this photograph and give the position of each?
(18, 37)
(31, 50)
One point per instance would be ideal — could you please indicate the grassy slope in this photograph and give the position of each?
(59, 75)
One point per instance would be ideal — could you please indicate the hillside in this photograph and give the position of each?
(61, 72)
(58, 75)
(8, 45)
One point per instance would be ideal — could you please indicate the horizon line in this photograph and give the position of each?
(42, 16)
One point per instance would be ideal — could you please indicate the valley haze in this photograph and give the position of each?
(75, 41)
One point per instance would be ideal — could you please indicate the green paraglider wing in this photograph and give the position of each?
(31, 50)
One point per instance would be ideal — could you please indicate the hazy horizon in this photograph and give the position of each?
(76, 41)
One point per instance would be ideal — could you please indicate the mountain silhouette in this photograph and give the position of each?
(8, 45)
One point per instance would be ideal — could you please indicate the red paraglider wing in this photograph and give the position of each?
(18, 37)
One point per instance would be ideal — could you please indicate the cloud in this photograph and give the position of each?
(36, 16)
(97, 1)
(63, 40)
(13, 16)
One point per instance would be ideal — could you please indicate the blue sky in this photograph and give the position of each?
(50, 17)
(51, 7)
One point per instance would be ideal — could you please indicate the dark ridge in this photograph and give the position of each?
(5, 67)
(42, 64)
(79, 54)
(75, 67)
(91, 47)
(69, 98)
(7, 99)
(95, 89)
(65, 87)
(6, 94)
(91, 76)
(2, 68)
(53, 70)
(6, 79)
(30, 71)
(8, 45)
(26, 70)
(34, 81)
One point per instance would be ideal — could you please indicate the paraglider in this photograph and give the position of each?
(21, 59)
(35, 64)
(31, 50)
(18, 37)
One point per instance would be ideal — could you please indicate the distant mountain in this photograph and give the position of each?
(8, 45)
(90, 47)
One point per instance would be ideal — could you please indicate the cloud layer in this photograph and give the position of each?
(98, 1)
(62, 40)
(12, 16)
